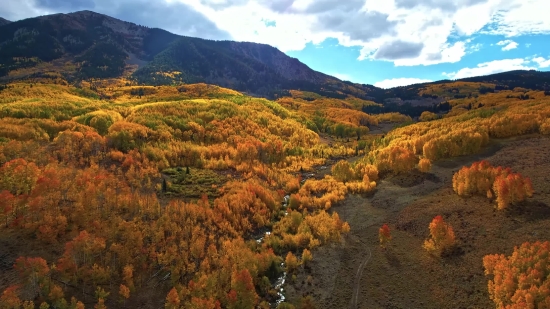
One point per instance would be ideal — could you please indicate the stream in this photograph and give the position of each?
(320, 172)
(278, 285)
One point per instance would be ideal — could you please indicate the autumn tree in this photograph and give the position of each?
(384, 235)
(291, 262)
(520, 280)
(101, 295)
(511, 189)
(172, 299)
(18, 176)
(427, 116)
(395, 159)
(34, 274)
(342, 171)
(306, 257)
(124, 292)
(243, 293)
(424, 165)
(442, 237)
(10, 298)
(495, 182)
(7, 201)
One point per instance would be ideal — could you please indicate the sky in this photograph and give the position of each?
(385, 43)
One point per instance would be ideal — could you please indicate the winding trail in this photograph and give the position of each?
(357, 282)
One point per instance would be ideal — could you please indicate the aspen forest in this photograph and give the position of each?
(198, 196)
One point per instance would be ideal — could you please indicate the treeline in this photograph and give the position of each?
(406, 108)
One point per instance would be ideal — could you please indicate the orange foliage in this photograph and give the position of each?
(520, 280)
(484, 179)
(10, 298)
(384, 235)
(172, 299)
(424, 165)
(395, 159)
(442, 237)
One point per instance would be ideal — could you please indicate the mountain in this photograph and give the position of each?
(86, 44)
(99, 44)
(4, 21)
(520, 78)
(531, 79)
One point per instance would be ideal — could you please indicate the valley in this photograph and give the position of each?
(143, 169)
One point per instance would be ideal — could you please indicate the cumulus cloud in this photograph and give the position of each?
(66, 4)
(521, 17)
(492, 67)
(341, 76)
(14, 10)
(396, 82)
(541, 62)
(441, 27)
(508, 45)
(176, 17)
(396, 50)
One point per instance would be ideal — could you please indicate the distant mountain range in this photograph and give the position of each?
(85, 44)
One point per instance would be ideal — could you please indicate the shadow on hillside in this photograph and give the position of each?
(412, 179)
(530, 211)
(458, 162)
(392, 258)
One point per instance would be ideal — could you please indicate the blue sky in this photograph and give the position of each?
(494, 53)
(386, 43)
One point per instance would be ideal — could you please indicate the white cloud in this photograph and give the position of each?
(341, 76)
(508, 45)
(396, 82)
(492, 67)
(475, 47)
(437, 29)
(521, 17)
(372, 25)
(542, 63)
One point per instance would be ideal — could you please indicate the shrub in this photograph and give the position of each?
(442, 237)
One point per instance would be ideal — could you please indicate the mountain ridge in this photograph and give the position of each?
(87, 45)
(101, 46)
(4, 21)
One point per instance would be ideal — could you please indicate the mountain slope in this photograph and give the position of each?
(520, 78)
(75, 38)
(4, 21)
(99, 46)
(84, 45)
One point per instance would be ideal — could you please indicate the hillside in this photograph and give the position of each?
(4, 21)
